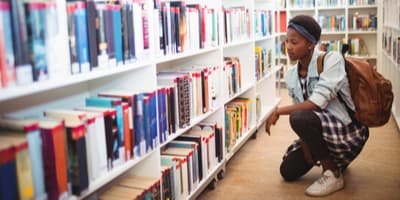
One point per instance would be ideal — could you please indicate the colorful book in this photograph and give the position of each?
(23, 163)
(30, 129)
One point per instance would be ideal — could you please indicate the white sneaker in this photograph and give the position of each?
(325, 185)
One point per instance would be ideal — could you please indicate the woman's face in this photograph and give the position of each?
(297, 46)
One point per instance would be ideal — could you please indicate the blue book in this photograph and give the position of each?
(161, 107)
(36, 23)
(82, 36)
(31, 129)
(147, 122)
(140, 144)
(110, 102)
(153, 120)
(8, 174)
(116, 11)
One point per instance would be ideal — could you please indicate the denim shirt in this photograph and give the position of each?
(323, 89)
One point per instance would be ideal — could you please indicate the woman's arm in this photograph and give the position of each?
(286, 110)
(305, 105)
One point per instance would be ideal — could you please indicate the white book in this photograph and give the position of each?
(138, 29)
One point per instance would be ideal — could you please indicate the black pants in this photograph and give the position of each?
(307, 126)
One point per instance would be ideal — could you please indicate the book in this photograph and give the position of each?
(23, 65)
(117, 22)
(92, 34)
(36, 38)
(115, 103)
(56, 39)
(9, 76)
(73, 52)
(30, 129)
(23, 163)
(81, 33)
(77, 160)
(110, 131)
(55, 160)
(8, 181)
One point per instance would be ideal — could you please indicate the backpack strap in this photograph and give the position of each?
(320, 67)
(320, 63)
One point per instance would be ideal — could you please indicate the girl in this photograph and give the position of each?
(327, 134)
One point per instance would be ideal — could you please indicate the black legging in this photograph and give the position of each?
(307, 126)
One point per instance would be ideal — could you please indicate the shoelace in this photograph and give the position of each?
(323, 179)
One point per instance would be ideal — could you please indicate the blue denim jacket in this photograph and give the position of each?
(323, 89)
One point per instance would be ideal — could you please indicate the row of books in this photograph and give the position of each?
(236, 24)
(361, 2)
(113, 128)
(362, 22)
(195, 92)
(232, 76)
(181, 27)
(238, 118)
(391, 44)
(331, 45)
(133, 187)
(332, 23)
(33, 43)
(263, 21)
(190, 158)
(106, 34)
(331, 3)
(302, 3)
(263, 61)
(49, 39)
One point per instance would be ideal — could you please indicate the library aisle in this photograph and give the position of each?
(253, 173)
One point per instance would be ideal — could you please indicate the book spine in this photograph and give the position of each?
(131, 34)
(81, 33)
(91, 19)
(75, 69)
(101, 37)
(8, 54)
(23, 65)
(125, 39)
(36, 26)
(117, 22)
(109, 31)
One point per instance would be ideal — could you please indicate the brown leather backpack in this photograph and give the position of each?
(371, 92)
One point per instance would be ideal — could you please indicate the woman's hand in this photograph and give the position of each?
(272, 119)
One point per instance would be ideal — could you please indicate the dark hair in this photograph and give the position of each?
(309, 24)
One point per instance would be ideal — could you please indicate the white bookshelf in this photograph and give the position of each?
(389, 64)
(71, 90)
(341, 7)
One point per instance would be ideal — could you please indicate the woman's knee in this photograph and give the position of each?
(300, 119)
(294, 166)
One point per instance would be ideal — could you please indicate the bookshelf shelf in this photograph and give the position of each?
(351, 7)
(51, 84)
(192, 123)
(238, 43)
(185, 55)
(268, 37)
(362, 32)
(333, 33)
(338, 8)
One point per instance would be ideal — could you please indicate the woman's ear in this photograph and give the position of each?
(311, 46)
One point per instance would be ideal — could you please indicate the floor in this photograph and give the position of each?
(253, 173)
